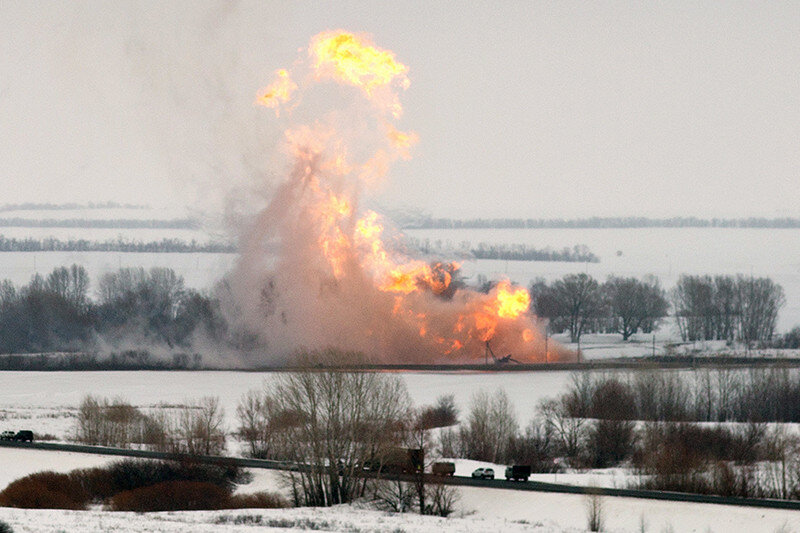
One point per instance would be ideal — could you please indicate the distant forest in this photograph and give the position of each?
(50, 244)
(598, 222)
(174, 223)
(506, 252)
(33, 206)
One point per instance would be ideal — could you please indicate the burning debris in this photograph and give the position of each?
(339, 279)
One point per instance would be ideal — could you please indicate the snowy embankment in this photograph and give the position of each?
(478, 509)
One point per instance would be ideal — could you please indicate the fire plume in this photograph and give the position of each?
(340, 278)
(278, 92)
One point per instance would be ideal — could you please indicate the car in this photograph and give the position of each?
(483, 473)
(7, 435)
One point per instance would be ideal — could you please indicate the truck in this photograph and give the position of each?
(443, 469)
(518, 472)
(25, 435)
(397, 461)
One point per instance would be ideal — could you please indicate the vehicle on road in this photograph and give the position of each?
(443, 469)
(518, 472)
(25, 435)
(483, 473)
(397, 460)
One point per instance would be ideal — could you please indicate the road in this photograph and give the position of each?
(533, 486)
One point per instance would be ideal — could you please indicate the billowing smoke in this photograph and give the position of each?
(317, 270)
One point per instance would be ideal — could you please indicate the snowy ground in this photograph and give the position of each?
(478, 510)
(46, 402)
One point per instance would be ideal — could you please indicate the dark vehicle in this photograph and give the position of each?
(24, 436)
(483, 473)
(518, 472)
(7, 435)
(398, 461)
(443, 469)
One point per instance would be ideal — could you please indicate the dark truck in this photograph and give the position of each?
(518, 472)
(443, 469)
(20, 436)
(397, 461)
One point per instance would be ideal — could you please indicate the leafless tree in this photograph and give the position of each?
(758, 301)
(201, 427)
(568, 429)
(336, 421)
(635, 304)
(490, 427)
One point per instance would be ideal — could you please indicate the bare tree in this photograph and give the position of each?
(758, 302)
(490, 427)
(201, 427)
(692, 300)
(635, 304)
(582, 301)
(337, 422)
(568, 429)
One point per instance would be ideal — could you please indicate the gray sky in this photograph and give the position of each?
(524, 109)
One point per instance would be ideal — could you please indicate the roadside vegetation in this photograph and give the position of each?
(138, 485)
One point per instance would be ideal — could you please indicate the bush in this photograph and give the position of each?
(129, 474)
(45, 490)
(443, 414)
(5, 528)
(610, 442)
(257, 500)
(171, 496)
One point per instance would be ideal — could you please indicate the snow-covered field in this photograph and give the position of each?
(46, 402)
(478, 510)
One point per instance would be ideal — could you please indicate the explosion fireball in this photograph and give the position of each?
(340, 279)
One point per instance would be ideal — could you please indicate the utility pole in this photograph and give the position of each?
(546, 335)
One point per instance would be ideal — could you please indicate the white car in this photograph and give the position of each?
(7, 435)
(483, 473)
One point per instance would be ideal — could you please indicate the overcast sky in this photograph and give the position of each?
(524, 109)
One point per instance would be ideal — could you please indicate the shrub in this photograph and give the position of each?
(45, 490)
(610, 442)
(443, 414)
(594, 511)
(5, 528)
(129, 474)
(257, 500)
(171, 496)
(613, 400)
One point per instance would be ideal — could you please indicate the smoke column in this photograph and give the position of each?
(316, 271)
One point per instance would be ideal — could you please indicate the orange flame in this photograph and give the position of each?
(353, 60)
(421, 299)
(278, 92)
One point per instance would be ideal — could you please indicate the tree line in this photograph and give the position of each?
(133, 306)
(52, 244)
(579, 253)
(39, 206)
(175, 223)
(415, 221)
(724, 307)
